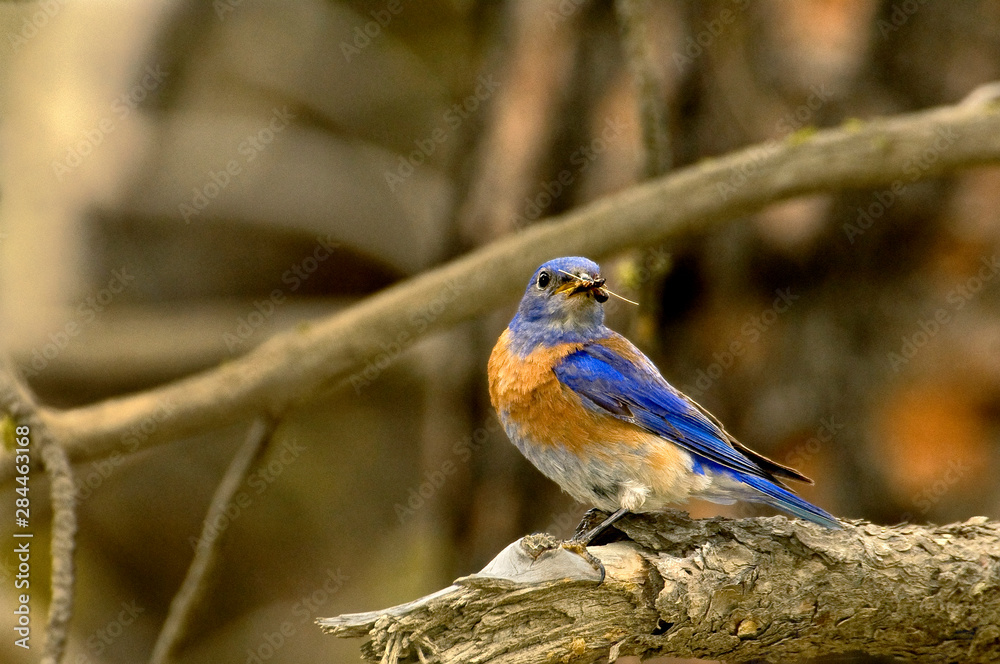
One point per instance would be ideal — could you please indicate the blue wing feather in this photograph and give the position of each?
(638, 394)
(602, 377)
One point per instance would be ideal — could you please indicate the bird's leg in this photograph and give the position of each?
(580, 541)
(587, 537)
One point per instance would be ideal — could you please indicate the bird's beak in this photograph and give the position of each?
(579, 285)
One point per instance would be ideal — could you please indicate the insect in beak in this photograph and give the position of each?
(592, 285)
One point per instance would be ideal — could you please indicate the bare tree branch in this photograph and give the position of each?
(773, 589)
(633, 17)
(63, 546)
(290, 367)
(537, 67)
(20, 403)
(199, 576)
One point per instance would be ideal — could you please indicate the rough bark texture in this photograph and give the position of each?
(773, 589)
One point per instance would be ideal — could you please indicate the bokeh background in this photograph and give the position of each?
(180, 180)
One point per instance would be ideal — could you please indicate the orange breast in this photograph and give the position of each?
(528, 396)
(584, 449)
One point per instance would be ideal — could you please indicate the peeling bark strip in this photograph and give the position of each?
(773, 589)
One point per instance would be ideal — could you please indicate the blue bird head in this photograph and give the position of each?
(562, 303)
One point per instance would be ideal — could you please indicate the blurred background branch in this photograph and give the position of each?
(198, 581)
(321, 212)
(18, 402)
(633, 15)
(294, 365)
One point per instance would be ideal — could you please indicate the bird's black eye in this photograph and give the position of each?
(543, 279)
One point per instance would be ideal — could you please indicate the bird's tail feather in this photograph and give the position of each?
(787, 501)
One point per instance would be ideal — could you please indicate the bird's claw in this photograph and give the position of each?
(581, 550)
(537, 544)
(541, 558)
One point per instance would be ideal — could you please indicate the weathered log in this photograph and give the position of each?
(773, 589)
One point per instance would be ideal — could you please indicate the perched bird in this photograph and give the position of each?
(593, 413)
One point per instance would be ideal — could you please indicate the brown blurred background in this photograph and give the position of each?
(181, 180)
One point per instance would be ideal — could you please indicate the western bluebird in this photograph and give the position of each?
(591, 412)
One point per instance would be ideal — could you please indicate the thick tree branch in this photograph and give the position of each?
(292, 366)
(773, 589)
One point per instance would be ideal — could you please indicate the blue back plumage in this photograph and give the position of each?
(609, 382)
(602, 376)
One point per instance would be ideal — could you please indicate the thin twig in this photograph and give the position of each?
(292, 366)
(199, 576)
(17, 399)
(63, 545)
